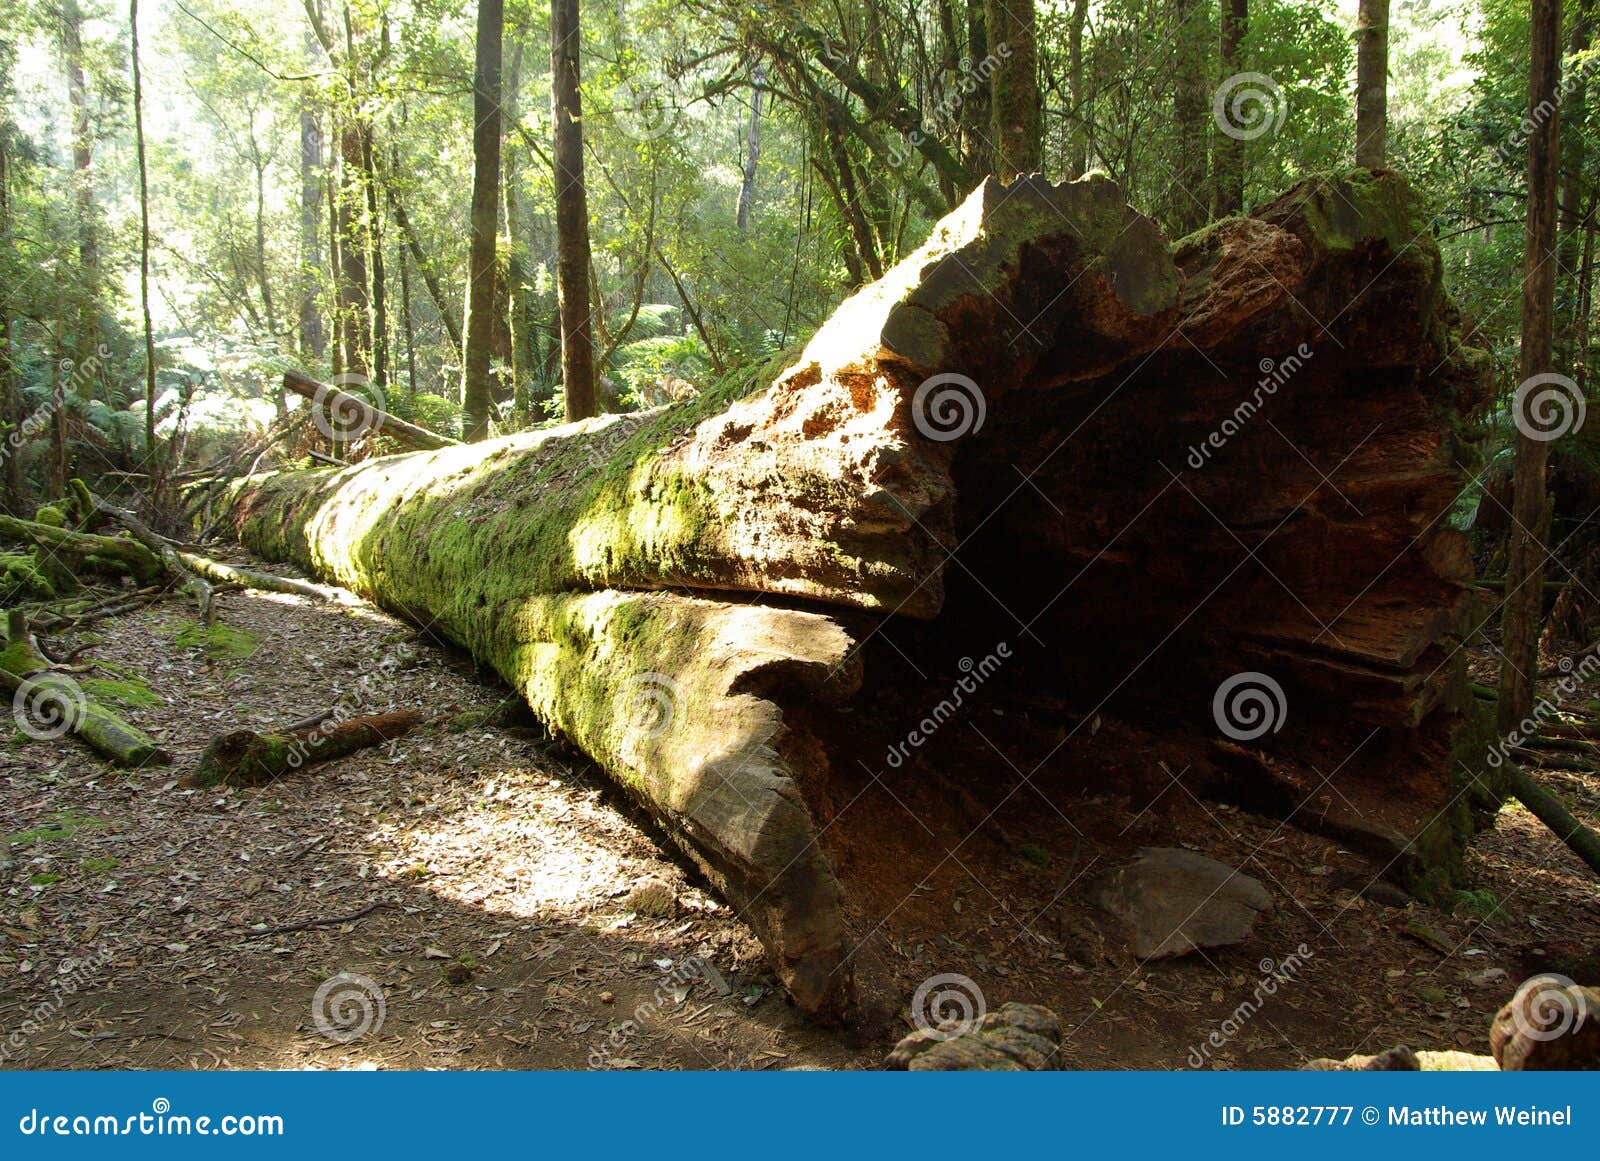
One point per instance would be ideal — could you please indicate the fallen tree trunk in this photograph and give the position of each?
(356, 414)
(246, 758)
(45, 705)
(1034, 442)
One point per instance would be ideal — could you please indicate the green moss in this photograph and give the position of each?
(218, 641)
(66, 824)
(52, 515)
(130, 693)
(22, 579)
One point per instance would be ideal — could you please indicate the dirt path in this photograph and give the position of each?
(492, 903)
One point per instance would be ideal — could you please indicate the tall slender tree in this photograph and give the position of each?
(1228, 169)
(150, 449)
(1372, 83)
(476, 395)
(1530, 507)
(572, 213)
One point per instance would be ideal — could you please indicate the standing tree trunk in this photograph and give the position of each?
(354, 306)
(1228, 198)
(372, 232)
(1572, 196)
(1529, 506)
(88, 324)
(978, 152)
(313, 340)
(1372, 83)
(1190, 116)
(1078, 148)
(572, 213)
(747, 188)
(144, 253)
(475, 392)
(1014, 87)
(15, 484)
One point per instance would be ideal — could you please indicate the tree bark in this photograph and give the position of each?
(1191, 116)
(313, 338)
(1014, 87)
(747, 187)
(1530, 506)
(144, 252)
(476, 395)
(1229, 168)
(1078, 154)
(572, 213)
(582, 563)
(1372, 83)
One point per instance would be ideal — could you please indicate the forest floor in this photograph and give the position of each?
(527, 917)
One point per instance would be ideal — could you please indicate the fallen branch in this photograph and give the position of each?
(307, 924)
(374, 418)
(246, 758)
(1547, 808)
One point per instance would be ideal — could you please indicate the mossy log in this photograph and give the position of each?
(47, 704)
(88, 551)
(1036, 439)
(246, 758)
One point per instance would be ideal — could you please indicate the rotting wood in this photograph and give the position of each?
(910, 468)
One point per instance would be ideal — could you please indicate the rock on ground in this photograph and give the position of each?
(1175, 901)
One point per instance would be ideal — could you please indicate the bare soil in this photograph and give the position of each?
(511, 910)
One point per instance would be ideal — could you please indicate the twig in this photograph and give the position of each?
(334, 922)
